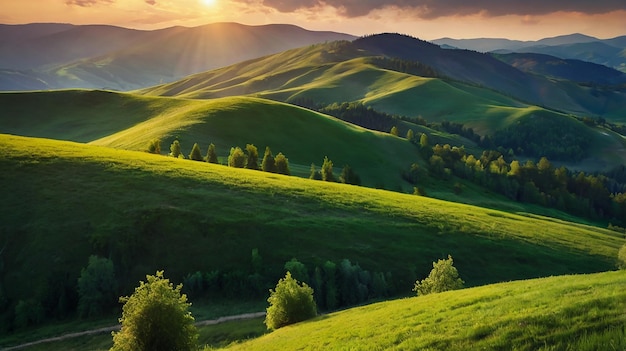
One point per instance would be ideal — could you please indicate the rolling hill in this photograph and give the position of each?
(65, 201)
(123, 59)
(362, 71)
(326, 74)
(567, 69)
(557, 313)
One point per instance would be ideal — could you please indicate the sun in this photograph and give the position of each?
(208, 2)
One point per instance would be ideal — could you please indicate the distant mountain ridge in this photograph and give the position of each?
(608, 52)
(53, 56)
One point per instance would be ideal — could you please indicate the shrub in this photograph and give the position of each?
(156, 317)
(282, 164)
(442, 277)
(236, 158)
(154, 147)
(175, 149)
(290, 303)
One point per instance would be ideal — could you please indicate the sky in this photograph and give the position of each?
(425, 19)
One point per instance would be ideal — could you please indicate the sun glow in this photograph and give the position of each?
(208, 2)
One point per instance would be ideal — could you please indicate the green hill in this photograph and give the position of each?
(558, 313)
(65, 201)
(338, 72)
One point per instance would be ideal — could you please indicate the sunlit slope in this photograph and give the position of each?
(77, 115)
(558, 313)
(304, 136)
(325, 76)
(64, 201)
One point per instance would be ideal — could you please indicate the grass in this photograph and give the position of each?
(580, 312)
(67, 201)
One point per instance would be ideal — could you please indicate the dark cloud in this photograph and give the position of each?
(88, 3)
(441, 8)
(151, 2)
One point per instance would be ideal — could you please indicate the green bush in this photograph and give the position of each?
(442, 277)
(290, 303)
(156, 317)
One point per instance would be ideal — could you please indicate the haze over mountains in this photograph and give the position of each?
(53, 56)
(608, 52)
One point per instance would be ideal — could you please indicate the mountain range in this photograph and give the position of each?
(56, 56)
(608, 52)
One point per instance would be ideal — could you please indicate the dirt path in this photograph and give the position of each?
(117, 327)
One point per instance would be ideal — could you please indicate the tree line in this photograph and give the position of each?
(237, 158)
(581, 194)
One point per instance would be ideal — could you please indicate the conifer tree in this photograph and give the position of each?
(410, 135)
(268, 164)
(252, 157)
(394, 131)
(211, 156)
(195, 154)
(327, 170)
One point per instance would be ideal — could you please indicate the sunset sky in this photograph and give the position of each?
(426, 19)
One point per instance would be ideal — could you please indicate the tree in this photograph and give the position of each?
(327, 170)
(195, 154)
(175, 149)
(348, 176)
(314, 173)
(410, 135)
(268, 164)
(156, 317)
(252, 157)
(424, 141)
(290, 302)
(442, 277)
(154, 147)
(96, 287)
(394, 131)
(282, 164)
(236, 158)
(211, 156)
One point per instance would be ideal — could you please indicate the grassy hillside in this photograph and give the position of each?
(65, 201)
(558, 313)
(77, 115)
(337, 72)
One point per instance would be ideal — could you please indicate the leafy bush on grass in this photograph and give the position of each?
(156, 317)
(442, 277)
(290, 303)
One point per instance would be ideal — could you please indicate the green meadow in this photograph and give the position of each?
(579, 312)
(65, 201)
(573, 312)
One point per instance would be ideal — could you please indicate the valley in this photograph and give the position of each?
(396, 153)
